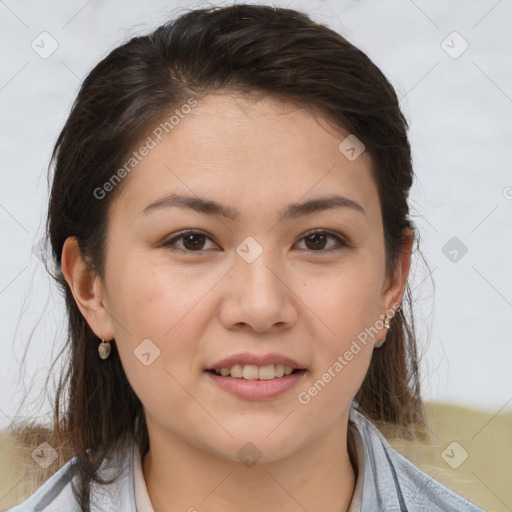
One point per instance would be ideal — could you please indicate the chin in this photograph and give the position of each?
(255, 445)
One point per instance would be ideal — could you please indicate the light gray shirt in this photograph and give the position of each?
(386, 481)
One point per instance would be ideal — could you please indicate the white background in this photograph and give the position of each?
(460, 115)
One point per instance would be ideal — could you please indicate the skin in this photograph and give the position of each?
(305, 301)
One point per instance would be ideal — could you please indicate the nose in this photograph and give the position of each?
(259, 295)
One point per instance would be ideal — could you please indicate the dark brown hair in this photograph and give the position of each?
(240, 49)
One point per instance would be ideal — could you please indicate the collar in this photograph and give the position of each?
(142, 501)
(386, 481)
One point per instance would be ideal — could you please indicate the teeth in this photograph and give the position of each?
(235, 371)
(250, 372)
(266, 372)
(253, 372)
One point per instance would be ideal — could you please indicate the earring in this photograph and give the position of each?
(104, 349)
(387, 325)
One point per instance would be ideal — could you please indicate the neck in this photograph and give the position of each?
(318, 477)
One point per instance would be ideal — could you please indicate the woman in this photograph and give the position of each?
(229, 218)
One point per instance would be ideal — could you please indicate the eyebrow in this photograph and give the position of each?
(292, 211)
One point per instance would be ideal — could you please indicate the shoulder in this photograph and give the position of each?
(391, 482)
(56, 494)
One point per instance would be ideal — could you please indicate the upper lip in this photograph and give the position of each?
(256, 359)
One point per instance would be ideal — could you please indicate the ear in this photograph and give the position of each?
(394, 286)
(87, 289)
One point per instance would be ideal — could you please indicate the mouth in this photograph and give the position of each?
(256, 382)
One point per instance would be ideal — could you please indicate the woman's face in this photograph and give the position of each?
(251, 287)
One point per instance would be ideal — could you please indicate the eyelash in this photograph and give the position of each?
(170, 243)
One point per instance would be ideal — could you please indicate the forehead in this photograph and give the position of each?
(255, 154)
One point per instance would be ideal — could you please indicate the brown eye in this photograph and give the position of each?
(317, 241)
(191, 241)
(194, 241)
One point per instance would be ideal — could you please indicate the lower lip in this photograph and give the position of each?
(257, 389)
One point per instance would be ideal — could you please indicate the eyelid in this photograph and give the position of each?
(168, 242)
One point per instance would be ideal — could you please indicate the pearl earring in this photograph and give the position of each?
(104, 349)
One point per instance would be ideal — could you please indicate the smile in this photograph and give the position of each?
(250, 386)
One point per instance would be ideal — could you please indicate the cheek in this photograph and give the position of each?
(149, 297)
(345, 301)
(151, 307)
